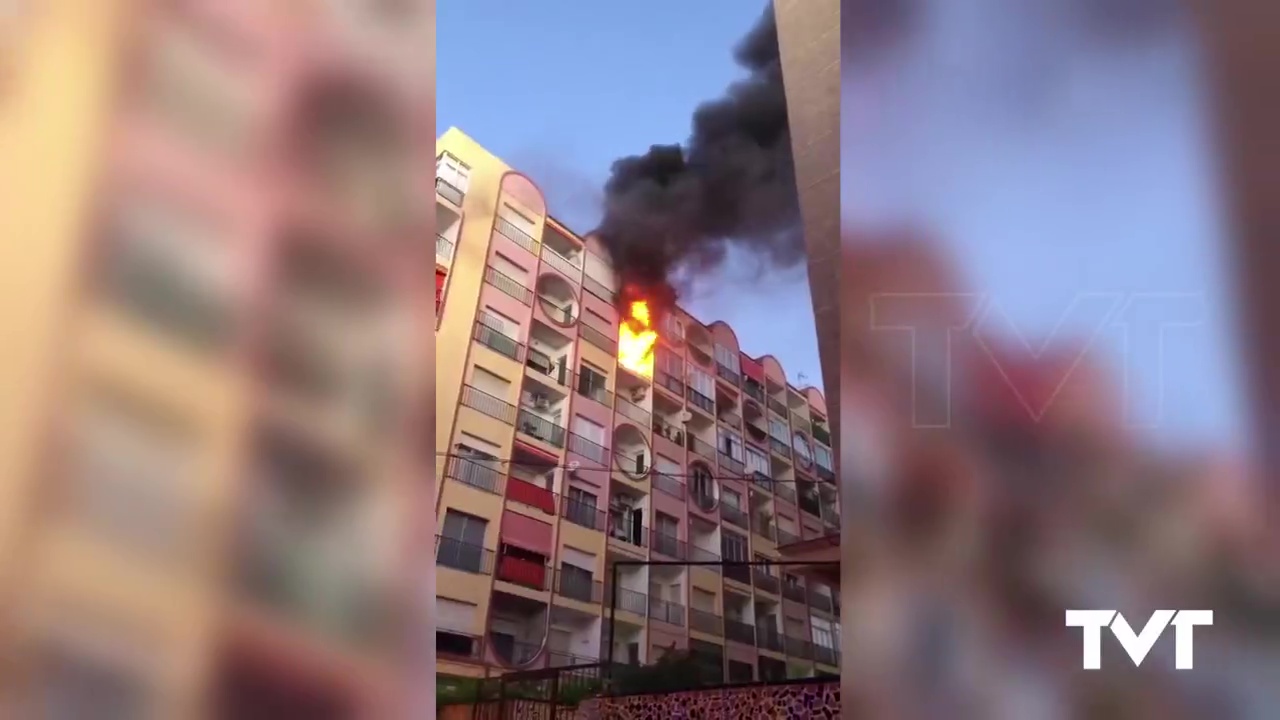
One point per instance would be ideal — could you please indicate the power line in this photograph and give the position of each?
(481, 460)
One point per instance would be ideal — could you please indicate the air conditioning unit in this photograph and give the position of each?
(541, 401)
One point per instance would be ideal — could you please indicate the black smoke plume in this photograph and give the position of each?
(679, 208)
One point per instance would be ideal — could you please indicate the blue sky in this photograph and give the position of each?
(1053, 165)
(561, 89)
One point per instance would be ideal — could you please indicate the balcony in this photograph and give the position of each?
(762, 481)
(765, 581)
(583, 515)
(822, 434)
(734, 516)
(597, 288)
(598, 338)
(558, 659)
(698, 555)
(588, 449)
(515, 234)
(700, 401)
(780, 448)
(483, 402)
(738, 573)
(624, 530)
(762, 525)
(525, 573)
(561, 263)
(778, 407)
(754, 389)
(557, 371)
(666, 611)
(830, 517)
(634, 412)
(509, 286)
(628, 600)
(739, 632)
(667, 484)
(577, 586)
(732, 465)
(670, 382)
(794, 593)
(768, 638)
(786, 538)
(809, 503)
(525, 492)
(729, 375)
(826, 655)
(444, 249)
(798, 647)
(700, 447)
(820, 601)
(706, 622)
(826, 473)
(479, 472)
(670, 546)
(702, 498)
(786, 491)
(512, 652)
(463, 556)
(497, 341)
(539, 427)
(449, 192)
(591, 386)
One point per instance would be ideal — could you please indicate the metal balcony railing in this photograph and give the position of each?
(526, 573)
(583, 515)
(515, 234)
(701, 401)
(700, 447)
(509, 286)
(668, 484)
(820, 601)
(478, 472)
(734, 516)
(753, 389)
(588, 449)
(578, 587)
(670, 545)
(634, 463)
(634, 412)
(592, 386)
(456, 554)
(786, 538)
(798, 647)
(826, 655)
(830, 516)
(826, 474)
(780, 448)
(559, 659)
(444, 248)
(449, 191)
(799, 423)
(769, 638)
(666, 611)
(597, 288)
(730, 375)
(794, 592)
(786, 491)
(706, 622)
(621, 528)
(494, 407)
(512, 652)
(556, 311)
(763, 526)
(561, 263)
(740, 573)
(764, 581)
(810, 504)
(822, 434)
(628, 600)
(697, 554)
(778, 407)
(739, 632)
(556, 370)
(670, 382)
(540, 428)
(525, 492)
(731, 465)
(597, 338)
(762, 480)
(497, 341)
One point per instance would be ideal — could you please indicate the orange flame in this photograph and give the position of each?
(636, 339)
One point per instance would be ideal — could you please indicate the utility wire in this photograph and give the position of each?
(480, 460)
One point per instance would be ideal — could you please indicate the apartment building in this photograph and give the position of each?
(217, 214)
(557, 462)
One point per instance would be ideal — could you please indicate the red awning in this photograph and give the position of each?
(525, 532)
(752, 369)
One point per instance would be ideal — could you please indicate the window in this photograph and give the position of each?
(727, 358)
(669, 363)
(802, 448)
(778, 430)
(730, 443)
(490, 383)
(673, 326)
(131, 468)
(165, 267)
(734, 547)
(453, 171)
(757, 461)
(666, 525)
(464, 528)
(702, 382)
(597, 269)
(700, 482)
(822, 457)
(582, 498)
(592, 383)
(731, 498)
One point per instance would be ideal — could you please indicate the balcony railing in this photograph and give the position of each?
(826, 473)
(830, 516)
(591, 386)
(786, 538)
(525, 573)
(799, 423)
(809, 503)
(764, 581)
(786, 491)
(480, 473)
(763, 526)
(670, 382)
(515, 234)
(525, 492)
(597, 288)
(740, 573)
(821, 434)
(588, 449)
(559, 314)
(826, 655)
(666, 611)
(583, 515)
(778, 407)
(497, 341)
(702, 498)
(820, 601)
(733, 377)
(578, 587)
(731, 418)
(780, 448)
(629, 600)
(670, 545)
(509, 286)
(706, 622)
(634, 463)
(456, 554)
(444, 248)
(512, 652)
(668, 484)
(739, 632)
(597, 338)
(449, 191)
(753, 389)
(734, 516)
(634, 412)
(559, 659)
(762, 480)
(561, 263)
(555, 370)
(769, 638)
(697, 554)
(495, 408)
(628, 532)
(699, 400)
(794, 592)
(700, 447)
(541, 428)
(798, 647)
(731, 465)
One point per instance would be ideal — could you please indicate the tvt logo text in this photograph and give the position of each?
(1138, 644)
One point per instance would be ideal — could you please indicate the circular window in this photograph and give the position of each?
(557, 299)
(631, 451)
